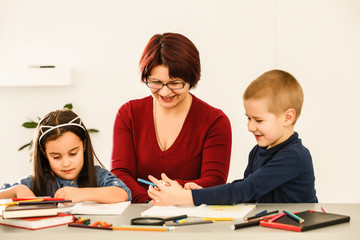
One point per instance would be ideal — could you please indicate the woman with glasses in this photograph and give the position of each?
(172, 131)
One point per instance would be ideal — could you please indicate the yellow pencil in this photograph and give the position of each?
(17, 202)
(181, 221)
(218, 219)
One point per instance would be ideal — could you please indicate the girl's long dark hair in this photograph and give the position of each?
(43, 177)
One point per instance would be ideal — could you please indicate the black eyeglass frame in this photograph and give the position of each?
(165, 84)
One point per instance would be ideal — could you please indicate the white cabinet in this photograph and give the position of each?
(35, 77)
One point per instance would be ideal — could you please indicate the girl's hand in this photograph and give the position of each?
(168, 192)
(69, 193)
(18, 191)
(192, 185)
(23, 191)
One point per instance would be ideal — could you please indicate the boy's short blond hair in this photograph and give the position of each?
(283, 90)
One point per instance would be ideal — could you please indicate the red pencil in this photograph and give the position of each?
(44, 199)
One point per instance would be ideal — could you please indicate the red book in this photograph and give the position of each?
(312, 219)
(39, 222)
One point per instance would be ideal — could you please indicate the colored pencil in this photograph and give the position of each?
(146, 182)
(79, 225)
(261, 215)
(323, 209)
(144, 228)
(125, 227)
(245, 224)
(43, 198)
(276, 217)
(181, 221)
(25, 201)
(150, 226)
(190, 223)
(293, 216)
(218, 219)
(44, 202)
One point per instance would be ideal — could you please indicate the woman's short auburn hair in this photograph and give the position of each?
(176, 52)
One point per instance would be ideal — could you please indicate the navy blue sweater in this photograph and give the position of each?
(281, 174)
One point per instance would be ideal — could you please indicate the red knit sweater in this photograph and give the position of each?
(200, 153)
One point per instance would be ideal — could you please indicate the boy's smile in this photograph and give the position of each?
(257, 136)
(269, 129)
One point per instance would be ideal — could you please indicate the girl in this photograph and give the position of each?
(64, 167)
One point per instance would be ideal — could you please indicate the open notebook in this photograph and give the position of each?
(211, 211)
(94, 208)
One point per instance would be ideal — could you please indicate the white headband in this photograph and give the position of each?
(71, 123)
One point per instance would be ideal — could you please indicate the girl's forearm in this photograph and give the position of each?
(110, 194)
(7, 193)
(16, 191)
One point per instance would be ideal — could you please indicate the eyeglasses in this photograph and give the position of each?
(171, 85)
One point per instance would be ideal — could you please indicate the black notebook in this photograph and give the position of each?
(312, 219)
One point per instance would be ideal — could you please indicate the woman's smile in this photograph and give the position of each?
(167, 99)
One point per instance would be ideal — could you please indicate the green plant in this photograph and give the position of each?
(33, 124)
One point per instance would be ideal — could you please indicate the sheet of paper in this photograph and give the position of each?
(65, 208)
(94, 208)
(2, 201)
(223, 211)
(234, 211)
(168, 211)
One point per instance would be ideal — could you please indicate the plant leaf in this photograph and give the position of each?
(93, 130)
(31, 124)
(24, 146)
(30, 144)
(68, 106)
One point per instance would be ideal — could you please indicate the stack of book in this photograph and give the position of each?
(35, 213)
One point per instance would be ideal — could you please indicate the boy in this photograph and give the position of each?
(280, 168)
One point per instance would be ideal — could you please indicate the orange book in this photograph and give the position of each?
(34, 223)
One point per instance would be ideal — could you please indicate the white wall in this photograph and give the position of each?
(102, 40)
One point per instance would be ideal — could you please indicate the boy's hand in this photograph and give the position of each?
(192, 185)
(170, 193)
